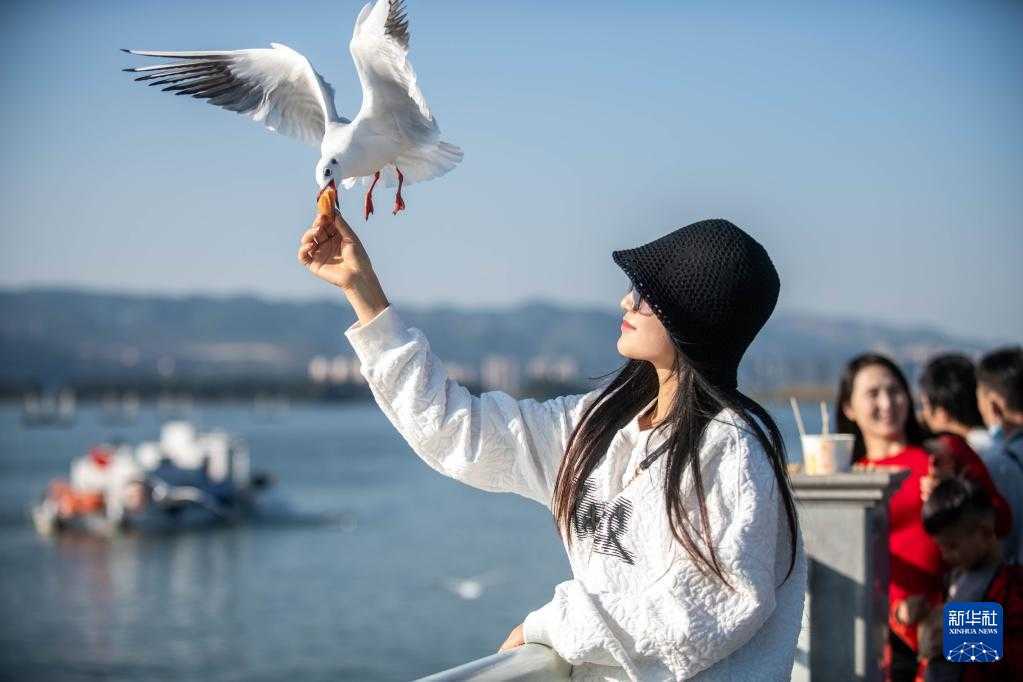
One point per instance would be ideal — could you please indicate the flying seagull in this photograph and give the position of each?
(394, 137)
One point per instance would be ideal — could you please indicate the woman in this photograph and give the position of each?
(874, 404)
(672, 500)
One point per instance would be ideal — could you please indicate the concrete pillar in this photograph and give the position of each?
(844, 519)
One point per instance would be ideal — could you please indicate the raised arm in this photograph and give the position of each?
(491, 441)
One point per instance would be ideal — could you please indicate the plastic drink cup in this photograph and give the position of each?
(827, 453)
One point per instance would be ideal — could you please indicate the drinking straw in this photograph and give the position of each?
(824, 417)
(799, 418)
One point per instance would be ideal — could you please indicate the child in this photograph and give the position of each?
(1000, 398)
(948, 398)
(959, 516)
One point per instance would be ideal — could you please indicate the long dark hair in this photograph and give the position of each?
(915, 434)
(697, 401)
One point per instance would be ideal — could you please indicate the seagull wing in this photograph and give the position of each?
(275, 86)
(390, 95)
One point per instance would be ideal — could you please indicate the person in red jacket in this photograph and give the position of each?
(874, 404)
(960, 517)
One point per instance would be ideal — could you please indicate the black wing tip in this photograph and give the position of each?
(396, 23)
(124, 49)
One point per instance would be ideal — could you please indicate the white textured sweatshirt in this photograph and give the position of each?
(637, 607)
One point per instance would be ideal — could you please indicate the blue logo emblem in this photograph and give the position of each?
(972, 632)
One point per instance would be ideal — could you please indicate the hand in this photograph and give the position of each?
(941, 462)
(514, 639)
(940, 465)
(912, 609)
(332, 251)
(927, 485)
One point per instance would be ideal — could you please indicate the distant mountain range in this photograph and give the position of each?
(50, 336)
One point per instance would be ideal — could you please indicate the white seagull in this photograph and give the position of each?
(394, 136)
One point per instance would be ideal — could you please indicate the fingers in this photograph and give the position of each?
(315, 237)
(307, 247)
(342, 226)
(311, 240)
(305, 256)
(323, 228)
(322, 231)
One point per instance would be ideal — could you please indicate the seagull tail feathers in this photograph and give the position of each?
(425, 162)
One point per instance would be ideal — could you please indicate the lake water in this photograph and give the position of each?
(361, 590)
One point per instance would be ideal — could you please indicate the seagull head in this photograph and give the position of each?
(328, 172)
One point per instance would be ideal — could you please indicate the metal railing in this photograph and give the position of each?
(527, 663)
(845, 528)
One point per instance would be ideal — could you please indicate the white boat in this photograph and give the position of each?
(185, 479)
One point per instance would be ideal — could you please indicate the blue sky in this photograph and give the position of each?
(873, 147)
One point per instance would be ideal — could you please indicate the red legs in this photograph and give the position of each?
(369, 195)
(399, 203)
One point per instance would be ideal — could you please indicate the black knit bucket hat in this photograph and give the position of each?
(712, 286)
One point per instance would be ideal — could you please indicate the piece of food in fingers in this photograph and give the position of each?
(326, 200)
(326, 206)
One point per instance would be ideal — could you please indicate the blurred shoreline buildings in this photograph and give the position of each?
(493, 373)
(158, 348)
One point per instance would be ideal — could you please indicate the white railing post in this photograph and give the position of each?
(844, 519)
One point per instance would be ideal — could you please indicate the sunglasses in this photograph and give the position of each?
(638, 304)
